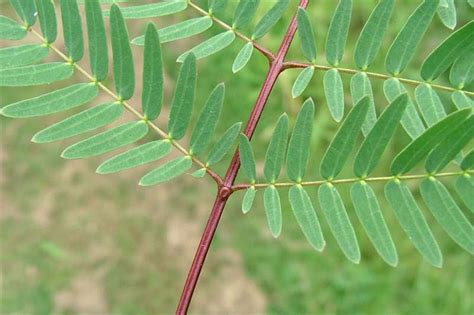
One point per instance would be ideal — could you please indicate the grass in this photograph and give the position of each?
(74, 242)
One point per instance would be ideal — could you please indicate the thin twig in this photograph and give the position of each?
(350, 180)
(137, 114)
(295, 64)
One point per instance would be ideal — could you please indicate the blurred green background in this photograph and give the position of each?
(75, 242)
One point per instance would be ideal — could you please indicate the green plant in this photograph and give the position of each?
(437, 136)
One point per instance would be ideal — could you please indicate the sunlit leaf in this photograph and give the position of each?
(107, 141)
(334, 91)
(419, 148)
(210, 46)
(207, 121)
(337, 32)
(404, 46)
(153, 82)
(271, 201)
(302, 81)
(143, 154)
(377, 140)
(124, 73)
(167, 171)
(413, 222)
(369, 213)
(447, 213)
(300, 142)
(344, 141)
(88, 120)
(183, 98)
(53, 102)
(371, 37)
(36, 74)
(306, 216)
(276, 152)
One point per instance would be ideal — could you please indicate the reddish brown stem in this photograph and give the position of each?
(224, 190)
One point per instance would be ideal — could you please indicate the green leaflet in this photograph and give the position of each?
(464, 188)
(10, 29)
(153, 82)
(123, 62)
(411, 121)
(179, 30)
(183, 98)
(36, 74)
(447, 213)
(306, 35)
(302, 81)
(161, 8)
(344, 141)
(337, 32)
(461, 100)
(47, 18)
(369, 214)
(98, 51)
(306, 216)
(298, 148)
(371, 37)
(216, 6)
(249, 197)
(462, 71)
(404, 46)
(26, 10)
(447, 14)
(450, 146)
(207, 121)
(430, 104)
(377, 140)
(72, 29)
(107, 141)
(471, 3)
(419, 148)
(275, 156)
(88, 120)
(143, 154)
(447, 52)
(361, 87)
(413, 222)
(23, 55)
(247, 158)
(270, 19)
(210, 46)
(468, 161)
(166, 172)
(244, 13)
(338, 220)
(224, 144)
(200, 173)
(53, 102)
(242, 58)
(334, 91)
(271, 201)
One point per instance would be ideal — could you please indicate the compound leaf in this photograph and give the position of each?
(143, 154)
(306, 216)
(344, 141)
(371, 37)
(53, 102)
(275, 156)
(271, 201)
(298, 147)
(413, 222)
(369, 213)
(107, 141)
(36, 74)
(377, 140)
(72, 29)
(404, 46)
(123, 62)
(334, 91)
(183, 98)
(167, 171)
(88, 120)
(210, 46)
(447, 213)
(337, 32)
(153, 82)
